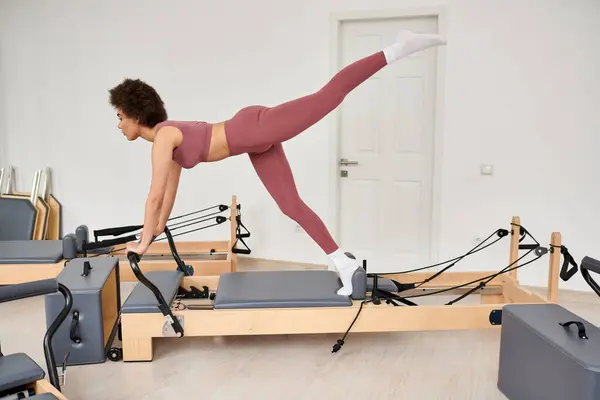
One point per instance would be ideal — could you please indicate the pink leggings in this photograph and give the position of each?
(260, 132)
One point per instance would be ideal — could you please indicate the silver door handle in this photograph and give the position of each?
(345, 161)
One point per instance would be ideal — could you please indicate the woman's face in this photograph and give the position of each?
(129, 126)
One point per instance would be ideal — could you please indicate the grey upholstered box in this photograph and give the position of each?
(541, 359)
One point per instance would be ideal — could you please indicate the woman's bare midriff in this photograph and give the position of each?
(218, 144)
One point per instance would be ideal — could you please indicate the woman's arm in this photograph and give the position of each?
(170, 194)
(162, 154)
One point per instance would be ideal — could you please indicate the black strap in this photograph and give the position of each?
(565, 273)
(109, 243)
(580, 328)
(116, 231)
(239, 236)
(74, 331)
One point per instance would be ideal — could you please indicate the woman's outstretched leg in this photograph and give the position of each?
(275, 173)
(255, 128)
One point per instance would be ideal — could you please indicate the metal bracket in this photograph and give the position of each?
(167, 329)
(496, 317)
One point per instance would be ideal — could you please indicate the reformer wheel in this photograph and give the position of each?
(189, 270)
(115, 354)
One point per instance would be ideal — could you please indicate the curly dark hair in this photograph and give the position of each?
(138, 100)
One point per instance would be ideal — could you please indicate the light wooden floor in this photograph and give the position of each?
(415, 365)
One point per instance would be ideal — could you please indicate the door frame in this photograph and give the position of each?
(336, 20)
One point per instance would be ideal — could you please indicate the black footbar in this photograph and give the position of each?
(163, 306)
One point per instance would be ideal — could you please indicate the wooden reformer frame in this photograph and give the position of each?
(138, 330)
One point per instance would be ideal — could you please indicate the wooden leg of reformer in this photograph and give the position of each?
(137, 349)
(553, 274)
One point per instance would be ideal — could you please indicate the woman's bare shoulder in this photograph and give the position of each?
(168, 135)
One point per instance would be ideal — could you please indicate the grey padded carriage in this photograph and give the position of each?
(540, 359)
(31, 251)
(279, 289)
(142, 300)
(17, 370)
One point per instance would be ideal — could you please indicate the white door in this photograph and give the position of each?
(387, 127)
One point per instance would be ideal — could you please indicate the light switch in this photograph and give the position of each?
(487, 169)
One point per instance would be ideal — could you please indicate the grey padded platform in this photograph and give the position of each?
(43, 396)
(31, 251)
(18, 369)
(142, 300)
(540, 359)
(279, 289)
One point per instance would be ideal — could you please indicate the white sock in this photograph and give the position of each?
(409, 42)
(345, 267)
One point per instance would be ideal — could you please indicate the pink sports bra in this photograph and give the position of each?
(195, 144)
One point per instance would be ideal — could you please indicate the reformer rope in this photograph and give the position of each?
(500, 232)
(135, 230)
(537, 248)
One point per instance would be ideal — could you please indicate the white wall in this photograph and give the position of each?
(3, 149)
(521, 93)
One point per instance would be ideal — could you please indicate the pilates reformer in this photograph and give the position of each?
(21, 376)
(303, 302)
(29, 260)
(202, 257)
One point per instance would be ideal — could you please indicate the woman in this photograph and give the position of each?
(258, 131)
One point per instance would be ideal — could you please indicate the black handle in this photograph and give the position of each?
(87, 267)
(580, 328)
(48, 351)
(74, 330)
(39, 288)
(590, 264)
(565, 273)
(29, 289)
